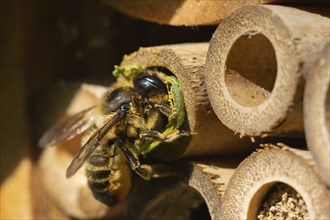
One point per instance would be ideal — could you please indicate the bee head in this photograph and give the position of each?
(119, 99)
(149, 85)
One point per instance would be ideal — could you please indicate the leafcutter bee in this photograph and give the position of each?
(130, 121)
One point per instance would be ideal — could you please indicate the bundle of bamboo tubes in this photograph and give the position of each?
(258, 63)
(262, 79)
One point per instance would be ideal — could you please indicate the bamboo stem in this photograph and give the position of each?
(186, 62)
(153, 199)
(256, 64)
(250, 184)
(185, 12)
(15, 205)
(210, 179)
(317, 113)
(205, 182)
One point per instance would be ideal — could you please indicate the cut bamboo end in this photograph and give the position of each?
(186, 62)
(255, 66)
(210, 180)
(16, 205)
(317, 113)
(298, 187)
(185, 12)
(87, 96)
(154, 200)
(200, 193)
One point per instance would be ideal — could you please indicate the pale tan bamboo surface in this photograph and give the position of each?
(317, 113)
(187, 12)
(250, 184)
(15, 205)
(44, 205)
(186, 62)
(22, 196)
(256, 64)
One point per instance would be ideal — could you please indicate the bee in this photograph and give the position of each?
(152, 88)
(128, 122)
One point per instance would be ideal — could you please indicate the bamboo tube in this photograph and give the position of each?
(250, 185)
(153, 199)
(186, 62)
(256, 64)
(43, 205)
(29, 202)
(186, 12)
(210, 179)
(73, 195)
(206, 181)
(317, 113)
(19, 205)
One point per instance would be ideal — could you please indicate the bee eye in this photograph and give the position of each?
(119, 98)
(148, 85)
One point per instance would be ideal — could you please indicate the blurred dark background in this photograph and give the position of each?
(47, 48)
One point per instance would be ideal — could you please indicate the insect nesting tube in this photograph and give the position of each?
(317, 113)
(276, 182)
(208, 136)
(256, 64)
(185, 12)
(186, 63)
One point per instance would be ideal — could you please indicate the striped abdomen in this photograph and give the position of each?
(99, 172)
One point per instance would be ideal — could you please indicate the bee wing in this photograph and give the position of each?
(67, 129)
(88, 148)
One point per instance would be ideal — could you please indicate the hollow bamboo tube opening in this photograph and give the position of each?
(202, 182)
(250, 78)
(255, 67)
(210, 178)
(154, 200)
(283, 171)
(278, 199)
(317, 113)
(186, 62)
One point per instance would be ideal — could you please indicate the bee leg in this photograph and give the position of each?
(157, 136)
(143, 171)
(169, 112)
(164, 109)
(161, 170)
(153, 135)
